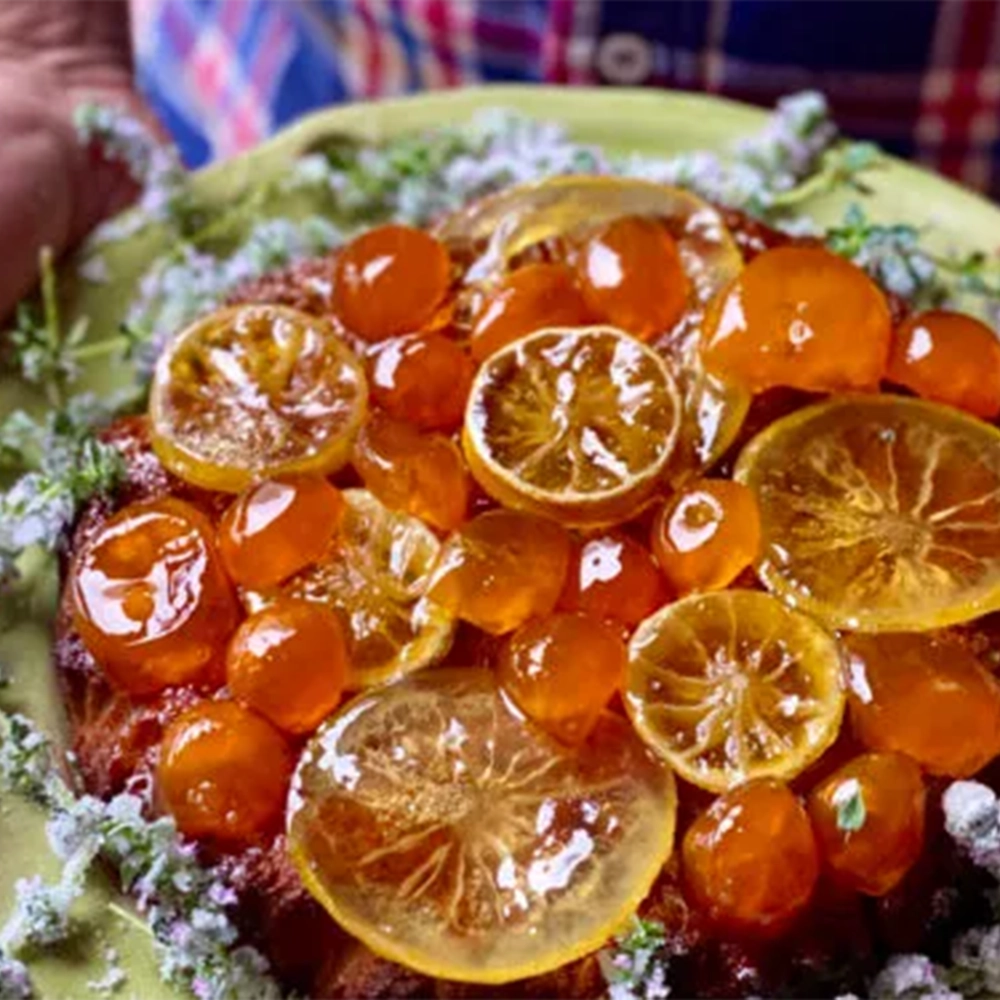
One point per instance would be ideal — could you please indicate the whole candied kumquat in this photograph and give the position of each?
(800, 317)
(926, 696)
(422, 474)
(531, 298)
(948, 357)
(423, 379)
(750, 860)
(223, 773)
(706, 535)
(869, 819)
(289, 663)
(631, 275)
(277, 527)
(150, 598)
(561, 671)
(389, 281)
(500, 569)
(613, 577)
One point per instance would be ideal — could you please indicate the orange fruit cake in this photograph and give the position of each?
(494, 601)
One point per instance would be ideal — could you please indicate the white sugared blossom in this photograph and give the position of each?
(909, 977)
(15, 980)
(972, 817)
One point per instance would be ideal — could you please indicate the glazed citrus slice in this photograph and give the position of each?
(255, 392)
(375, 576)
(879, 513)
(573, 424)
(505, 225)
(453, 837)
(713, 408)
(732, 685)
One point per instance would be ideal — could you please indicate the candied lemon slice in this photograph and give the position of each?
(375, 576)
(506, 224)
(453, 837)
(879, 513)
(254, 392)
(733, 685)
(572, 424)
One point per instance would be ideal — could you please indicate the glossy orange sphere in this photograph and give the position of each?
(750, 860)
(423, 379)
(631, 276)
(614, 578)
(800, 317)
(275, 528)
(422, 474)
(289, 663)
(531, 298)
(150, 598)
(948, 357)
(926, 696)
(706, 535)
(500, 569)
(224, 773)
(561, 671)
(869, 820)
(389, 281)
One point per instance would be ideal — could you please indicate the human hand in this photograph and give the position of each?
(54, 55)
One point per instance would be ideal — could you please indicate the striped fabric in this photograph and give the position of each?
(921, 77)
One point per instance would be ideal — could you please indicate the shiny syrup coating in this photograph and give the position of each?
(223, 773)
(390, 281)
(926, 696)
(561, 672)
(289, 663)
(786, 319)
(631, 275)
(948, 357)
(750, 860)
(150, 598)
(706, 535)
(612, 577)
(869, 821)
(277, 527)
(423, 379)
(500, 569)
(422, 474)
(531, 298)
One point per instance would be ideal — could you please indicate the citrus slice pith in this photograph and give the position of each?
(254, 392)
(451, 836)
(375, 577)
(514, 220)
(879, 513)
(573, 424)
(733, 685)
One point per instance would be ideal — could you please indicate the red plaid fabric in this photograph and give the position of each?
(921, 77)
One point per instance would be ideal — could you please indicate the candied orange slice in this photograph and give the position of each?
(255, 392)
(573, 424)
(510, 222)
(879, 513)
(453, 837)
(733, 685)
(375, 576)
(713, 408)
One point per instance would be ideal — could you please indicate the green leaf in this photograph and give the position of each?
(849, 801)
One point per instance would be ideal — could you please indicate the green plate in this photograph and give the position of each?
(650, 122)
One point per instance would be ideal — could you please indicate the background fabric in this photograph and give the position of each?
(921, 77)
